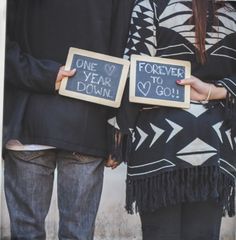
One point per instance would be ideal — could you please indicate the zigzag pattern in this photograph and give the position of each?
(142, 36)
(176, 16)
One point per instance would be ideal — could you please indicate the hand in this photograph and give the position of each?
(61, 74)
(200, 90)
(111, 163)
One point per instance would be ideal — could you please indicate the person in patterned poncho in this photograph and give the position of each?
(182, 162)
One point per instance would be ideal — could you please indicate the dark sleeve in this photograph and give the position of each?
(229, 83)
(118, 127)
(121, 125)
(27, 73)
(121, 13)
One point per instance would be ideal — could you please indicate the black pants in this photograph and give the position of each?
(188, 221)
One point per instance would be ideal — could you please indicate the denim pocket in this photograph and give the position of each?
(26, 155)
(85, 158)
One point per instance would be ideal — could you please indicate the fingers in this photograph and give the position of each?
(68, 73)
(65, 73)
(199, 90)
(111, 163)
(186, 81)
(61, 74)
(115, 165)
(57, 85)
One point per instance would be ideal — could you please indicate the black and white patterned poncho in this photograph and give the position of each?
(179, 155)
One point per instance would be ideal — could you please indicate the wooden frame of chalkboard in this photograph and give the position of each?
(153, 81)
(99, 78)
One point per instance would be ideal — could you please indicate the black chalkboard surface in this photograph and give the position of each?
(99, 78)
(153, 81)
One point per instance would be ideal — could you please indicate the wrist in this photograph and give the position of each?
(215, 93)
(207, 96)
(218, 93)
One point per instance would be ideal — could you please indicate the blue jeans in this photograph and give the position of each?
(28, 186)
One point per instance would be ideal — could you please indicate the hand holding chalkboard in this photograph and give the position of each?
(99, 78)
(153, 81)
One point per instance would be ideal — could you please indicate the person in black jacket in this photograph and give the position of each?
(43, 130)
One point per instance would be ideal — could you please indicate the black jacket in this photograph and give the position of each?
(40, 33)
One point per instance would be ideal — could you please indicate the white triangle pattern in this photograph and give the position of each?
(137, 9)
(196, 159)
(113, 122)
(146, 10)
(201, 152)
(143, 136)
(196, 109)
(176, 129)
(135, 15)
(136, 35)
(146, 4)
(133, 137)
(132, 134)
(217, 129)
(149, 20)
(158, 132)
(228, 134)
(197, 145)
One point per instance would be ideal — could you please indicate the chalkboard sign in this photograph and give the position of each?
(99, 78)
(153, 81)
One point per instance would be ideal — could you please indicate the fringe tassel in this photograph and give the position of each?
(116, 145)
(120, 146)
(184, 185)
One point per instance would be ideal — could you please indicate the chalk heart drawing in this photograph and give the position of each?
(144, 88)
(109, 68)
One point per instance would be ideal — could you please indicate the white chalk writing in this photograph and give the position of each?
(154, 79)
